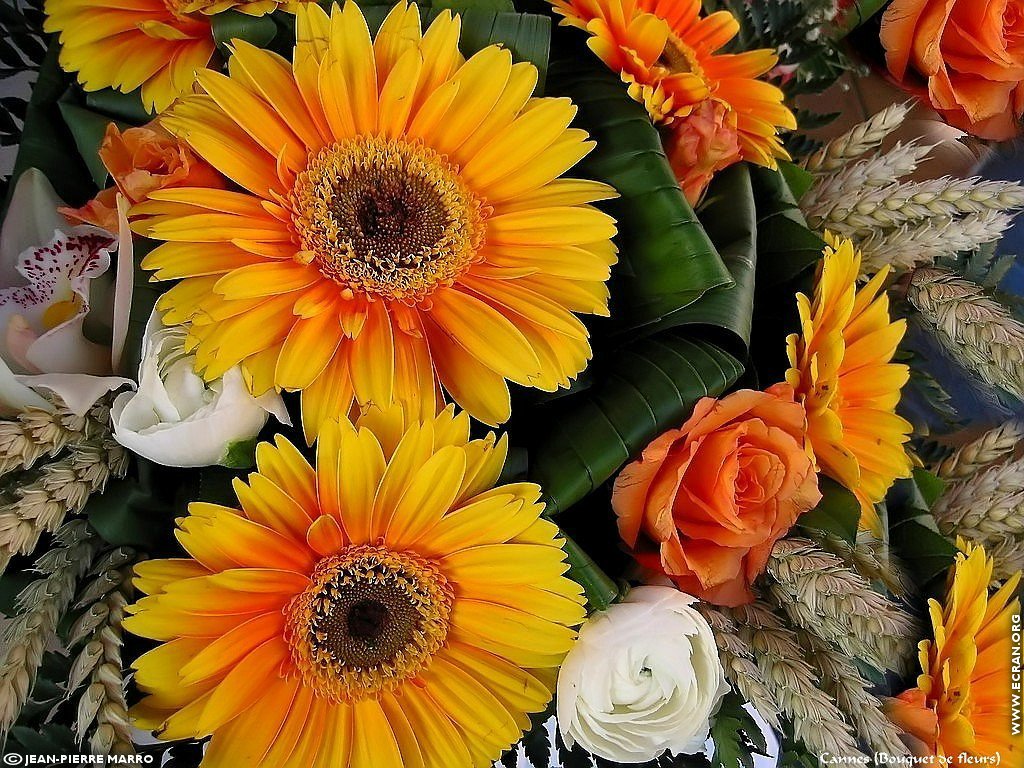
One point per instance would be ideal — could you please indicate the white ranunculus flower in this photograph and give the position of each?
(643, 678)
(177, 419)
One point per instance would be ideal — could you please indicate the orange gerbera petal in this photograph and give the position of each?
(842, 371)
(717, 111)
(960, 709)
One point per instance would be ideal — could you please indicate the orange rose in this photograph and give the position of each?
(712, 497)
(141, 161)
(971, 52)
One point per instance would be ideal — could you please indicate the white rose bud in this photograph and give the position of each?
(177, 419)
(643, 678)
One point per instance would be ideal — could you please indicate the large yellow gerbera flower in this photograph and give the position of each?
(960, 708)
(668, 55)
(389, 609)
(157, 45)
(842, 371)
(401, 221)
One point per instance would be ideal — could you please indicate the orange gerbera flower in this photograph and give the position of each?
(960, 708)
(668, 55)
(157, 45)
(842, 371)
(401, 224)
(390, 608)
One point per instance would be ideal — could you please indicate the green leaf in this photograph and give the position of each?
(838, 511)
(126, 107)
(240, 454)
(11, 584)
(526, 35)
(579, 442)
(462, 6)
(799, 179)
(88, 129)
(51, 739)
(785, 245)
(666, 259)
(231, 24)
(913, 532)
(927, 553)
(929, 485)
(736, 735)
(601, 591)
(137, 511)
(730, 219)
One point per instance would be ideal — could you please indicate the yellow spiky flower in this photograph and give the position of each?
(157, 45)
(842, 371)
(401, 225)
(388, 608)
(961, 706)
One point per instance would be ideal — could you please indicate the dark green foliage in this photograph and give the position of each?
(667, 262)
(736, 736)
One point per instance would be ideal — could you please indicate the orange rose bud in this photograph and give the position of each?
(706, 503)
(141, 161)
(970, 53)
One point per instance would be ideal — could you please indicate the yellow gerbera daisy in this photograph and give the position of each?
(668, 54)
(960, 708)
(389, 609)
(401, 222)
(157, 45)
(842, 371)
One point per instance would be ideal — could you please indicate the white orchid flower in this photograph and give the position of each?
(47, 271)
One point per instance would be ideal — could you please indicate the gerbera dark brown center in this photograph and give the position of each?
(386, 217)
(370, 619)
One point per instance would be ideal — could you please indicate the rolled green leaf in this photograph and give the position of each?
(600, 590)
(666, 259)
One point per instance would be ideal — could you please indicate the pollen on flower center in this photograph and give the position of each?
(370, 619)
(386, 217)
(678, 57)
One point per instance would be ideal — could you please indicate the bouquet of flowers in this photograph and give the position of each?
(447, 382)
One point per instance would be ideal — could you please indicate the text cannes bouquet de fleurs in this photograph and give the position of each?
(462, 383)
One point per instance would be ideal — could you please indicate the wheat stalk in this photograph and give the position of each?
(820, 594)
(859, 208)
(977, 331)
(858, 140)
(98, 664)
(909, 246)
(989, 503)
(840, 678)
(869, 557)
(740, 668)
(816, 719)
(836, 190)
(40, 607)
(968, 459)
(38, 432)
(988, 508)
(42, 499)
